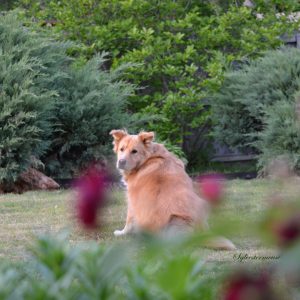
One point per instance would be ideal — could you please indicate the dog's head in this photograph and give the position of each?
(132, 150)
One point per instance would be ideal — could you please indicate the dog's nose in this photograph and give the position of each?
(121, 163)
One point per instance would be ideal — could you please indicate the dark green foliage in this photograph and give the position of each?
(7, 4)
(281, 136)
(256, 106)
(278, 5)
(180, 50)
(53, 111)
(264, 5)
(246, 94)
(91, 102)
(27, 61)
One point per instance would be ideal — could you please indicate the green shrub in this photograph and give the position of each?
(7, 4)
(256, 105)
(91, 102)
(180, 49)
(280, 137)
(246, 94)
(27, 63)
(52, 111)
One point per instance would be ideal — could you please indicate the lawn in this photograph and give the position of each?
(22, 217)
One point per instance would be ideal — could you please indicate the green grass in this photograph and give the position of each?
(22, 217)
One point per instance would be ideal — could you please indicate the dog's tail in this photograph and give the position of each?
(219, 243)
(179, 226)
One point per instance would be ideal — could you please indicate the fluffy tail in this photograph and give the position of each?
(220, 243)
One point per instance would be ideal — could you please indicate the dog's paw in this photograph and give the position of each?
(119, 232)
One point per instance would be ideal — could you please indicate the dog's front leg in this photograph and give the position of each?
(129, 226)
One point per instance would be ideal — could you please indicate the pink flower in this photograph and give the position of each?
(91, 195)
(212, 187)
(247, 286)
(287, 231)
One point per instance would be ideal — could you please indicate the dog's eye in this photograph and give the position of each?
(134, 151)
(122, 149)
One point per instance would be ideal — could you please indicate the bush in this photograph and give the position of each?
(280, 137)
(91, 102)
(7, 4)
(246, 94)
(256, 106)
(53, 112)
(180, 50)
(27, 64)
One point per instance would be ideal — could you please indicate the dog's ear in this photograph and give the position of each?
(146, 137)
(117, 135)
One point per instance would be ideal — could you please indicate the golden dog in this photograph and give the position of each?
(160, 194)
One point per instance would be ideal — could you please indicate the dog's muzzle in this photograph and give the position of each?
(121, 163)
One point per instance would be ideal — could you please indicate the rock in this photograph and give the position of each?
(31, 179)
(36, 180)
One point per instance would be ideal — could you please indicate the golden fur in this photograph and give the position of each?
(159, 191)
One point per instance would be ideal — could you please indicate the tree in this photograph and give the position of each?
(180, 49)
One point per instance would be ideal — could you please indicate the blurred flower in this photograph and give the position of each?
(248, 286)
(212, 187)
(259, 16)
(248, 3)
(281, 221)
(287, 231)
(91, 189)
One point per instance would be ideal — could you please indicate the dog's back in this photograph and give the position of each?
(161, 192)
